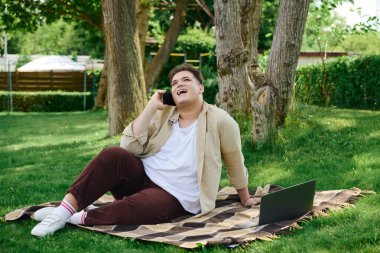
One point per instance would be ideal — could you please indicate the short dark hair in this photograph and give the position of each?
(186, 67)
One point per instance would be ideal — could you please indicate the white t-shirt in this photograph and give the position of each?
(174, 167)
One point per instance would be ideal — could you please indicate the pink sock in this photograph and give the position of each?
(78, 218)
(65, 210)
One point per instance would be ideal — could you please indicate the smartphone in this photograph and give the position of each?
(167, 98)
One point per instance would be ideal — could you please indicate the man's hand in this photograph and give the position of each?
(142, 121)
(155, 102)
(252, 201)
(246, 199)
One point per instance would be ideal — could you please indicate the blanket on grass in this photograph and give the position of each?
(228, 224)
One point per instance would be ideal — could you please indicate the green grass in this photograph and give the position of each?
(42, 153)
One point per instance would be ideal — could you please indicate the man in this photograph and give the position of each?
(169, 164)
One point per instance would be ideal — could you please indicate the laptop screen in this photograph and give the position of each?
(288, 203)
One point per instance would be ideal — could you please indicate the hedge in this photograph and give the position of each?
(351, 82)
(50, 101)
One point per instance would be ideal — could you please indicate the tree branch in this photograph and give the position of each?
(80, 15)
(205, 8)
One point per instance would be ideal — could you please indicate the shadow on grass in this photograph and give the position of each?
(41, 174)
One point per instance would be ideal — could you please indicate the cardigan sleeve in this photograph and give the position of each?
(232, 155)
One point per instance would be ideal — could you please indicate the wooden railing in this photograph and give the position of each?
(196, 62)
(44, 81)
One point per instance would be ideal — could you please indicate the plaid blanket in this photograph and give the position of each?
(228, 224)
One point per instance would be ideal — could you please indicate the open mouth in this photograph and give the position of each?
(181, 92)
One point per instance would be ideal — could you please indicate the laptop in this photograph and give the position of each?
(288, 203)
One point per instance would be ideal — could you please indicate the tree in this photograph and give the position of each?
(30, 14)
(154, 69)
(239, 77)
(271, 101)
(236, 48)
(126, 89)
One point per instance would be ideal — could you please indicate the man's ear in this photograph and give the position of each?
(201, 88)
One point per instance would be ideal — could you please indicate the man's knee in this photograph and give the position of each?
(118, 158)
(114, 153)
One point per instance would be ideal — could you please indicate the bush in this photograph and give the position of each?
(351, 82)
(49, 101)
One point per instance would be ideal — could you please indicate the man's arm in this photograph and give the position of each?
(135, 135)
(234, 160)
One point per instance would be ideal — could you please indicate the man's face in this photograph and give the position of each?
(186, 88)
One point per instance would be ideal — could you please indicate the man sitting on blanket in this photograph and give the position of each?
(169, 164)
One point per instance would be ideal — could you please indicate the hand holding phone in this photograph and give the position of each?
(167, 99)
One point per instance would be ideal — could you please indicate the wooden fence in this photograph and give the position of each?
(44, 81)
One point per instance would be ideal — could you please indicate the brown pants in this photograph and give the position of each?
(137, 199)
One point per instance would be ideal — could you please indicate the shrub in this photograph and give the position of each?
(351, 82)
(49, 101)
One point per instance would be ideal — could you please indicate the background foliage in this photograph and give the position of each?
(352, 82)
(59, 37)
(52, 101)
(367, 43)
(326, 31)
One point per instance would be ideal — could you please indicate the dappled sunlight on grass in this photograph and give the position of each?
(375, 134)
(22, 168)
(271, 173)
(338, 124)
(370, 159)
(54, 140)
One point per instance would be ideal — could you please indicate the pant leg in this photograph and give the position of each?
(113, 169)
(148, 206)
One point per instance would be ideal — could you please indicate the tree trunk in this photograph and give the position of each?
(251, 21)
(153, 70)
(236, 35)
(101, 95)
(142, 17)
(270, 107)
(126, 93)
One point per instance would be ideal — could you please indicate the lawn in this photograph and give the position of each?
(42, 153)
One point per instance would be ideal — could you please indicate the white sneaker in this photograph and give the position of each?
(42, 213)
(49, 225)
